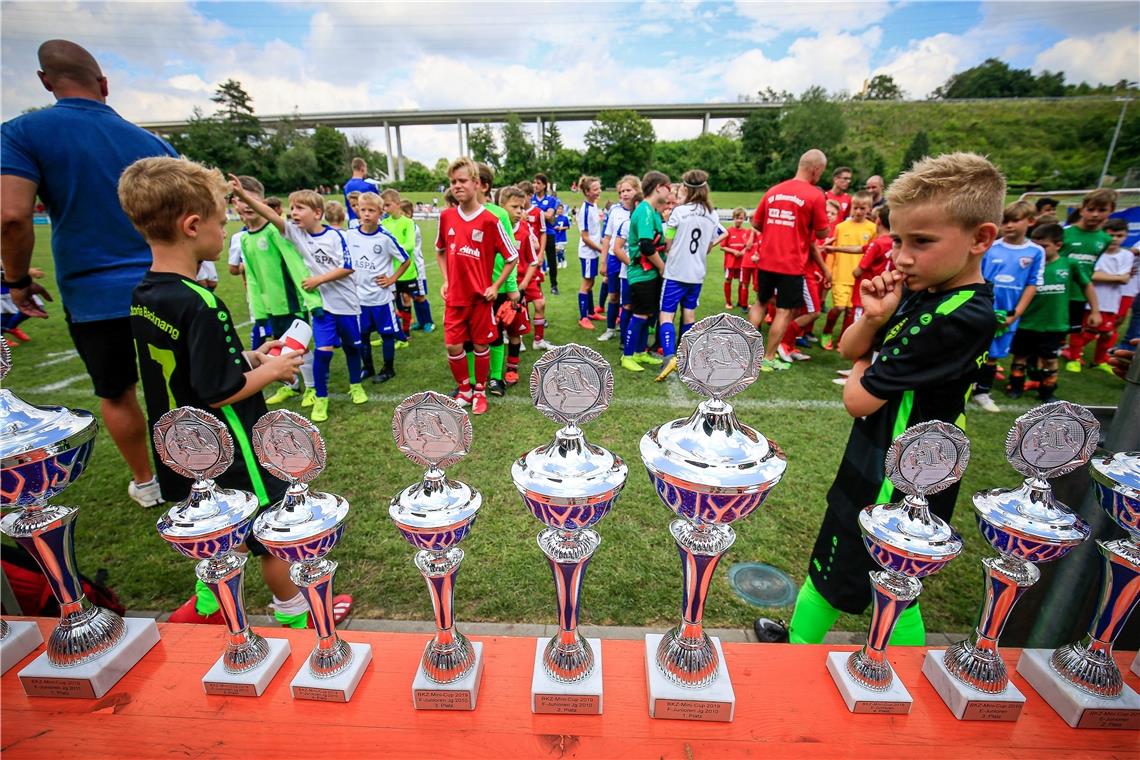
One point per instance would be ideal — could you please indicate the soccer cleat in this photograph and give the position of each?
(187, 612)
(631, 364)
(840, 381)
(770, 631)
(463, 398)
(377, 341)
(1000, 374)
(585, 323)
(784, 354)
(429, 327)
(596, 317)
(843, 372)
(18, 333)
(1032, 385)
(1073, 366)
(479, 403)
(810, 338)
(283, 394)
(357, 393)
(803, 342)
(984, 401)
(606, 335)
(668, 370)
(553, 290)
(767, 365)
(728, 307)
(647, 358)
(496, 387)
(799, 356)
(401, 344)
(544, 345)
(1012, 393)
(511, 377)
(146, 494)
(383, 376)
(827, 343)
(417, 326)
(308, 397)
(1103, 367)
(320, 411)
(522, 345)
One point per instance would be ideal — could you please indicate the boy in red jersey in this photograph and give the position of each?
(469, 237)
(514, 201)
(840, 181)
(876, 257)
(734, 247)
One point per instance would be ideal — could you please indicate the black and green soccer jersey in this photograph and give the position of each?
(275, 270)
(191, 355)
(1049, 309)
(1084, 247)
(644, 224)
(928, 356)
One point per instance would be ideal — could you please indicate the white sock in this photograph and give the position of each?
(307, 370)
(294, 606)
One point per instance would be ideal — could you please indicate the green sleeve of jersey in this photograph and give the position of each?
(256, 304)
(298, 270)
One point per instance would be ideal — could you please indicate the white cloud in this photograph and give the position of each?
(928, 63)
(834, 60)
(1107, 57)
(769, 19)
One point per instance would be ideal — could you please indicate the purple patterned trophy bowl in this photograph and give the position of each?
(434, 516)
(208, 526)
(569, 485)
(44, 449)
(710, 470)
(302, 529)
(909, 542)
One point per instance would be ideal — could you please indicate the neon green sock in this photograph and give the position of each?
(498, 356)
(206, 603)
(910, 630)
(471, 367)
(813, 616)
(300, 620)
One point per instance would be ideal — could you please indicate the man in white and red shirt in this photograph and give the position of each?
(468, 239)
(791, 215)
(840, 181)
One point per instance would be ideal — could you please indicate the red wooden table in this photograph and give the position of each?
(786, 706)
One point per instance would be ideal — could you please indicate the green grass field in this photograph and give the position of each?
(634, 578)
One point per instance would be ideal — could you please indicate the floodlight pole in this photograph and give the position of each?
(1112, 145)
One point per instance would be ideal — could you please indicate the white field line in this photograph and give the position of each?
(58, 357)
(59, 386)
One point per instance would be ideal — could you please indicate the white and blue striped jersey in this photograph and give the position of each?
(589, 224)
(697, 229)
(325, 252)
(375, 254)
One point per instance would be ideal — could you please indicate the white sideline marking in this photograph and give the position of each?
(58, 386)
(58, 357)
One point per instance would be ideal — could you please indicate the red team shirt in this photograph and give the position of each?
(527, 243)
(738, 239)
(471, 245)
(875, 261)
(789, 215)
(844, 201)
(536, 221)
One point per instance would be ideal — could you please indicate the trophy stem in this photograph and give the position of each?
(225, 575)
(5, 629)
(449, 656)
(314, 577)
(686, 655)
(85, 631)
(568, 657)
(1088, 665)
(893, 594)
(975, 661)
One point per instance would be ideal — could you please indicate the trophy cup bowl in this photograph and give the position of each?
(1116, 479)
(710, 470)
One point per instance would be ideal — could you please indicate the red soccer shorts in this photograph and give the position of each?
(533, 291)
(473, 322)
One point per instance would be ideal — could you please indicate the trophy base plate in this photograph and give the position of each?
(894, 701)
(217, 682)
(1078, 709)
(91, 680)
(667, 700)
(458, 695)
(548, 696)
(340, 687)
(968, 703)
(22, 639)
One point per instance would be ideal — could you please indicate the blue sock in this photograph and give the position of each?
(685, 327)
(668, 335)
(582, 305)
(423, 312)
(389, 349)
(366, 353)
(643, 337)
(623, 321)
(322, 360)
(604, 293)
(633, 334)
(611, 315)
(589, 301)
(352, 358)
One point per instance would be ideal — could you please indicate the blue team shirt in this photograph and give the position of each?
(75, 152)
(1011, 269)
(562, 221)
(359, 185)
(546, 203)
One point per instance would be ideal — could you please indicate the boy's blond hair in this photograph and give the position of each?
(370, 198)
(1018, 210)
(466, 164)
(251, 185)
(391, 195)
(310, 198)
(275, 204)
(969, 188)
(1101, 197)
(334, 212)
(358, 164)
(355, 195)
(739, 212)
(407, 207)
(862, 197)
(830, 203)
(510, 191)
(157, 193)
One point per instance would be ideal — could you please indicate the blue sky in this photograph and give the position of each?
(165, 58)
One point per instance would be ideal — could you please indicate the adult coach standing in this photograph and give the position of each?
(547, 204)
(789, 218)
(874, 186)
(71, 156)
(358, 183)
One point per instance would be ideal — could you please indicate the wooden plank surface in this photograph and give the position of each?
(787, 706)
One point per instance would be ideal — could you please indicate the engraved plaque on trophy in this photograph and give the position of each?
(569, 485)
(434, 516)
(710, 470)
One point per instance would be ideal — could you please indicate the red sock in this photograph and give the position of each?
(512, 362)
(790, 335)
(406, 321)
(458, 365)
(728, 291)
(539, 328)
(832, 316)
(482, 368)
(849, 318)
(742, 293)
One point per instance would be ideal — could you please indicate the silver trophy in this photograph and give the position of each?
(909, 542)
(1025, 525)
(1081, 681)
(569, 485)
(44, 449)
(208, 526)
(434, 516)
(710, 470)
(302, 529)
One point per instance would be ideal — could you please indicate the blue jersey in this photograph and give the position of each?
(1011, 269)
(358, 185)
(545, 203)
(561, 225)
